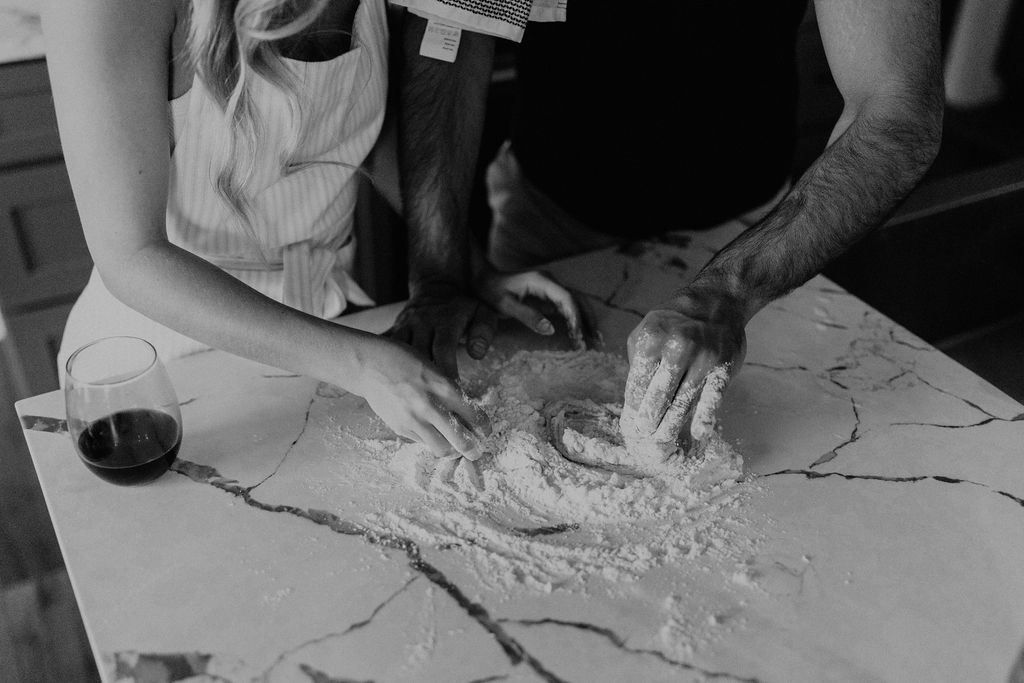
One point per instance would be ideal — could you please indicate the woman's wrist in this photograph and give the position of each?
(328, 352)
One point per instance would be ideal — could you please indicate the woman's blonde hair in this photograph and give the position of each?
(229, 43)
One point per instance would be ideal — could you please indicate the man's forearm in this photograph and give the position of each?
(850, 189)
(442, 108)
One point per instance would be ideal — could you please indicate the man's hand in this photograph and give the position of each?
(507, 293)
(681, 356)
(437, 318)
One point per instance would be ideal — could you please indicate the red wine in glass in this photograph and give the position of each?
(130, 446)
(123, 414)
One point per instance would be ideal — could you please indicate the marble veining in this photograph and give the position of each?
(888, 494)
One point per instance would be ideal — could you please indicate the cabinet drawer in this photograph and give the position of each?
(37, 338)
(43, 255)
(28, 123)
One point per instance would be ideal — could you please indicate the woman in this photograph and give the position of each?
(212, 147)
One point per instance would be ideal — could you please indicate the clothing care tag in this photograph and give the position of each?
(441, 40)
(499, 18)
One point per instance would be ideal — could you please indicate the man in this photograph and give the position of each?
(597, 111)
(454, 292)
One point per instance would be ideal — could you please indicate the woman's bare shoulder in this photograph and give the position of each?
(89, 18)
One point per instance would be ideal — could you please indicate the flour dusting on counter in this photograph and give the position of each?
(531, 514)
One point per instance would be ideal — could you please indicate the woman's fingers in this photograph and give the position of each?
(460, 423)
(443, 432)
(472, 417)
(426, 434)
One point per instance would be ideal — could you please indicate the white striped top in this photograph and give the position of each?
(302, 218)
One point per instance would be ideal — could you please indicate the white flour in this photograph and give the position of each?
(525, 515)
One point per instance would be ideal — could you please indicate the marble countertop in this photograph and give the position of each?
(887, 488)
(21, 36)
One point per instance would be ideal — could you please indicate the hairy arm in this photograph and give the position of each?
(108, 63)
(884, 57)
(442, 108)
(885, 61)
(441, 114)
(453, 291)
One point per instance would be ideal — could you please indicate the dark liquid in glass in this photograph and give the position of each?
(130, 446)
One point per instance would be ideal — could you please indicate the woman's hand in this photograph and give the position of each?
(416, 401)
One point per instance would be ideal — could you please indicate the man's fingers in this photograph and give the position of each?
(443, 352)
(399, 332)
(481, 331)
(674, 421)
(446, 339)
(641, 370)
(570, 310)
(591, 337)
(660, 391)
(706, 412)
(422, 339)
(527, 315)
(679, 412)
(544, 287)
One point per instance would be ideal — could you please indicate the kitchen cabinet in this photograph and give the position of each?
(44, 262)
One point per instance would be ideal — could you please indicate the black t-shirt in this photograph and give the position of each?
(644, 116)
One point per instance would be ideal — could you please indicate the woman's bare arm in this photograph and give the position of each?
(108, 64)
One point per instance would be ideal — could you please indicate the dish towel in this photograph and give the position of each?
(500, 18)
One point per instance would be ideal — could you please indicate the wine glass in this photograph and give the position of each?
(123, 414)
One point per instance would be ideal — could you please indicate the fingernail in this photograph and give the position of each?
(545, 327)
(578, 341)
(473, 454)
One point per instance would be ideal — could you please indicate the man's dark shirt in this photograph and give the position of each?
(644, 116)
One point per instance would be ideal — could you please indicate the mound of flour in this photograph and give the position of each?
(526, 514)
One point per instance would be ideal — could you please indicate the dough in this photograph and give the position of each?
(587, 433)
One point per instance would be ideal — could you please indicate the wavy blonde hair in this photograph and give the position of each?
(229, 43)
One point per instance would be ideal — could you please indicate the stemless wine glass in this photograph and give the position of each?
(123, 414)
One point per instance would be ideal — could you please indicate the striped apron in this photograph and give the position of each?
(302, 248)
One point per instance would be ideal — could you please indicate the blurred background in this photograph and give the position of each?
(947, 265)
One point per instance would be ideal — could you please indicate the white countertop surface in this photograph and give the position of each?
(21, 36)
(886, 487)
